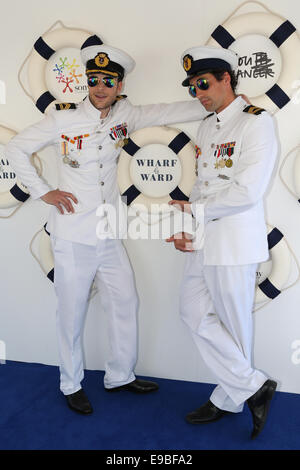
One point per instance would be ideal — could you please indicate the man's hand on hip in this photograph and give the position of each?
(60, 199)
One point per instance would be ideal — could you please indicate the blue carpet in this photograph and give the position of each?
(34, 416)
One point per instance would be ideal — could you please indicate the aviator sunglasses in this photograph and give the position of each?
(107, 81)
(202, 84)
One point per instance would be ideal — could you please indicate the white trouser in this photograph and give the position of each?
(75, 267)
(216, 303)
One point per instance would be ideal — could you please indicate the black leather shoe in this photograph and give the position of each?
(206, 414)
(259, 405)
(137, 386)
(79, 402)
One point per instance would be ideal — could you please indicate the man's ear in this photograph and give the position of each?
(227, 78)
(120, 87)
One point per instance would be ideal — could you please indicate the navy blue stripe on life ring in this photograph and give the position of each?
(278, 96)
(44, 100)
(50, 275)
(269, 289)
(223, 37)
(178, 195)
(282, 33)
(274, 237)
(130, 195)
(48, 233)
(131, 148)
(179, 142)
(18, 194)
(43, 49)
(92, 41)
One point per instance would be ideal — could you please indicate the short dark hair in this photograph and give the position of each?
(219, 74)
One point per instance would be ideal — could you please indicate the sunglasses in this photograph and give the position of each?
(107, 81)
(202, 84)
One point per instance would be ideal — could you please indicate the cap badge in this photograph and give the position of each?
(187, 62)
(102, 59)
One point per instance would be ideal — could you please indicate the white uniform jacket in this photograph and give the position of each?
(238, 154)
(94, 181)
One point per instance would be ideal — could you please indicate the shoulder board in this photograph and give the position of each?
(64, 106)
(211, 114)
(253, 110)
(119, 98)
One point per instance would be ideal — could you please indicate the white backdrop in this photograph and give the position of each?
(155, 33)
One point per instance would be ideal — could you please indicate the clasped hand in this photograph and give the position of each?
(182, 240)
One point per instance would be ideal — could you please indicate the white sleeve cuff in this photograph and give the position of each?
(39, 190)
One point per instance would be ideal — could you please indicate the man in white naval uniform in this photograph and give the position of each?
(88, 141)
(238, 149)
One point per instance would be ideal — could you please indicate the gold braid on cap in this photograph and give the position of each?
(102, 60)
(187, 62)
(102, 64)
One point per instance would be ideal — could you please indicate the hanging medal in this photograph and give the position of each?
(119, 134)
(217, 154)
(198, 153)
(229, 151)
(225, 151)
(65, 148)
(65, 152)
(78, 138)
(74, 163)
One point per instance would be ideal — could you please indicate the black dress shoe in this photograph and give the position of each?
(137, 386)
(206, 414)
(79, 402)
(259, 405)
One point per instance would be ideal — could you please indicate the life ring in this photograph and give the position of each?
(293, 183)
(283, 34)
(272, 286)
(18, 193)
(162, 186)
(46, 255)
(296, 175)
(43, 49)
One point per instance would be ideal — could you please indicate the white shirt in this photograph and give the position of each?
(238, 154)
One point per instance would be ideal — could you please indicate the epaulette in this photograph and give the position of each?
(211, 114)
(253, 110)
(119, 98)
(64, 106)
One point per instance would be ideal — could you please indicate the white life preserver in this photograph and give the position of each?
(43, 49)
(283, 34)
(292, 180)
(18, 193)
(280, 254)
(46, 255)
(296, 175)
(178, 156)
